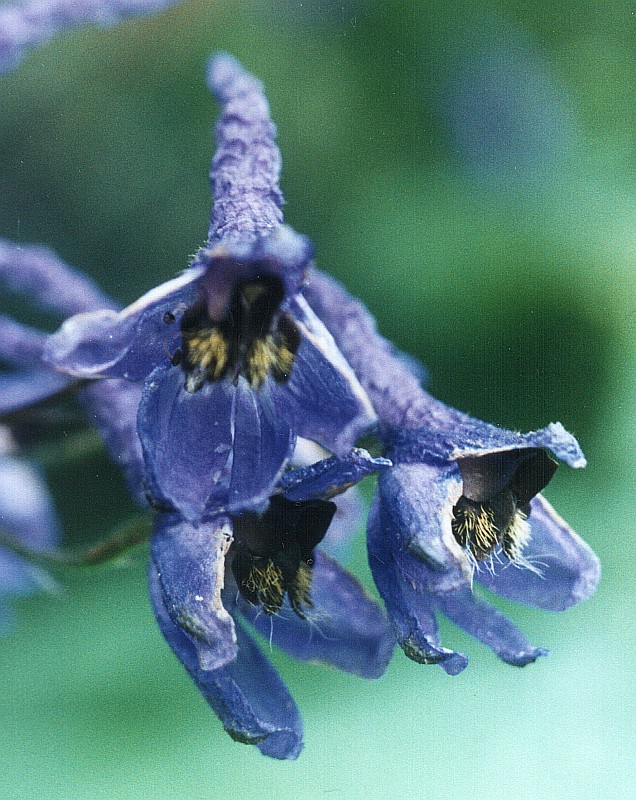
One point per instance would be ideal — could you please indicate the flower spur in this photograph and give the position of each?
(462, 502)
(235, 363)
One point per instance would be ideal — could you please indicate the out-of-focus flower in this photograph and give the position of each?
(235, 363)
(462, 504)
(32, 23)
(28, 515)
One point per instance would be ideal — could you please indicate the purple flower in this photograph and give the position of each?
(207, 580)
(27, 514)
(235, 363)
(461, 505)
(34, 22)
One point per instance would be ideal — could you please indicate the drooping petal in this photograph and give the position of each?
(323, 399)
(26, 512)
(190, 564)
(402, 583)
(128, 344)
(344, 626)
(263, 443)
(187, 441)
(331, 476)
(489, 626)
(565, 569)
(247, 694)
(416, 502)
(37, 272)
(20, 390)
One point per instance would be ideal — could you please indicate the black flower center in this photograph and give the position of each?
(273, 553)
(497, 490)
(253, 339)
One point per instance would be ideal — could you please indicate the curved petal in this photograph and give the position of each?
(186, 440)
(416, 502)
(398, 577)
(263, 443)
(23, 389)
(26, 512)
(323, 399)
(567, 570)
(344, 626)
(221, 448)
(247, 695)
(489, 626)
(346, 522)
(331, 476)
(190, 564)
(128, 344)
(453, 435)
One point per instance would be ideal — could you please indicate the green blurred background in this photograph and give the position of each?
(469, 169)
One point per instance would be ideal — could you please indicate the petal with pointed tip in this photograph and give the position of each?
(247, 694)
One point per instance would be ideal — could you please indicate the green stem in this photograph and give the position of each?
(134, 531)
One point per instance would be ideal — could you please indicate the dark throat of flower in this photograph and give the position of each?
(273, 553)
(254, 338)
(495, 504)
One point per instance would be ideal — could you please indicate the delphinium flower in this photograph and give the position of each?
(32, 23)
(462, 505)
(235, 363)
(274, 577)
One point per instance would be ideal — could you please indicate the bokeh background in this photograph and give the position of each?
(469, 170)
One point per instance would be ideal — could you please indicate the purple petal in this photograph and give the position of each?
(186, 440)
(20, 345)
(246, 167)
(567, 569)
(190, 564)
(263, 443)
(36, 272)
(247, 695)
(323, 399)
(111, 405)
(416, 502)
(345, 627)
(401, 581)
(20, 390)
(33, 23)
(346, 523)
(26, 512)
(489, 626)
(331, 476)
(128, 344)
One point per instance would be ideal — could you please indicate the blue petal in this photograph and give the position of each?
(567, 569)
(346, 523)
(416, 502)
(331, 476)
(453, 435)
(128, 344)
(221, 448)
(186, 440)
(344, 626)
(490, 626)
(247, 695)
(263, 443)
(190, 563)
(323, 399)
(23, 389)
(402, 582)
